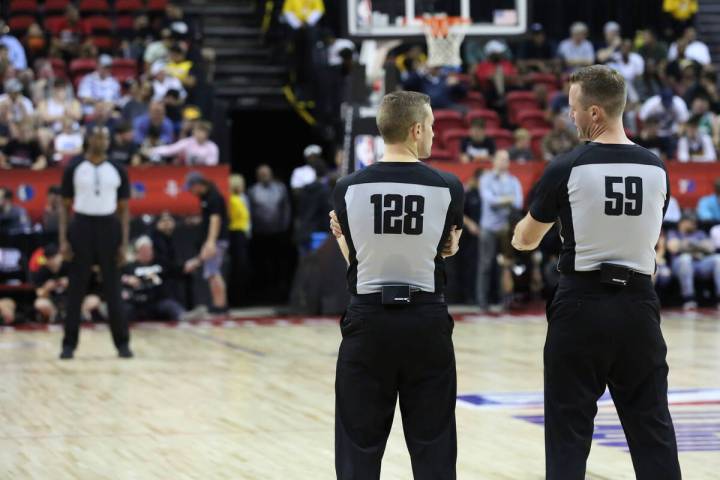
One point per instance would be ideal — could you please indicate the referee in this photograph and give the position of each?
(396, 221)
(98, 191)
(610, 197)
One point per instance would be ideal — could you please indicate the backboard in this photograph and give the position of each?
(398, 18)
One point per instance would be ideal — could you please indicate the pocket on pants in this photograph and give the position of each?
(350, 323)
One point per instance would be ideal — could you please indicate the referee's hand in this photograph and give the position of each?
(335, 225)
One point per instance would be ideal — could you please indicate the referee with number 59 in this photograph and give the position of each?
(395, 221)
(610, 197)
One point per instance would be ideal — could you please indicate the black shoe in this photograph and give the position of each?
(67, 353)
(125, 352)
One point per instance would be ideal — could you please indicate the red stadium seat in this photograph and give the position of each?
(445, 120)
(518, 101)
(93, 7)
(530, 119)
(54, 24)
(20, 23)
(491, 117)
(452, 139)
(53, 7)
(99, 24)
(124, 22)
(442, 155)
(124, 69)
(81, 67)
(548, 79)
(156, 5)
(503, 138)
(129, 6)
(59, 67)
(473, 100)
(23, 6)
(103, 42)
(536, 136)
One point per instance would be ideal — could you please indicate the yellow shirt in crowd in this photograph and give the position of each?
(302, 9)
(179, 70)
(238, 215)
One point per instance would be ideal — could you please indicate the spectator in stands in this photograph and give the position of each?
(34, 42)
(501, 195)
(155, 117)
(670, 111)
(652, 48)
(6, 68)
(122, 148)
(536, 53)
(692, 255)
(577, 51)
(478, 146)
(495, 74)
(649, 83)
(162, 83)
(629, 64)
(612, 43)
(52, 112)
(443, 89)
(708, 207)
(69, 143)
(152, 140)
(520, 151)
(695, 50)
(694, 145)
(16, 107)
(176, 22)
(239, 227)
(99, 86)
(7, 311)
(137, 38)
(559, 140)
(13, 218)
(23, 150)
(145, 289)
(560, 103)
(469, 241)
(270, 214)
(216, 238)
(173, 110)
(195, 150)
(165, 252)
(16, 52)
(180, 67)
(158, 50)
(140, 98)
(71, 33)
(650, 139)
(104, 116)
(307, 174)
(51, 213)
(704, 87)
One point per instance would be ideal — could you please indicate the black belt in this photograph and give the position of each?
(82, 216)
(415, 298)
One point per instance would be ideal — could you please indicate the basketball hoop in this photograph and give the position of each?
(444, 35)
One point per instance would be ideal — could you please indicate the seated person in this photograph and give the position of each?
(692, 254)
(122, 148)
(155, 118)
(649, 138)
(520, 151)
(13, 218)
(478, 146)
(69, 143)
(444, 89)
(694, 145)
(559, 140)
(23, 151)
(195, 150)
(51, 285)
(708, 208)
(145, 287)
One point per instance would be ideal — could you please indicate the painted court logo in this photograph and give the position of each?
(695, 412)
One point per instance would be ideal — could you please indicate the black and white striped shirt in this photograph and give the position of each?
(95, 189)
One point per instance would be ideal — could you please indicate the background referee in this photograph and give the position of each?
(98, 191)
(396, 221)
(610, 197)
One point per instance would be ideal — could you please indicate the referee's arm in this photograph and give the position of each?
(529, 233)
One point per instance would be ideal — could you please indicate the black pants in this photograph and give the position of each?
(386, 352)
(164, 309)
(602, 335)
(95, 241)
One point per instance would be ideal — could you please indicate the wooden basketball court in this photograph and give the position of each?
(249, 400)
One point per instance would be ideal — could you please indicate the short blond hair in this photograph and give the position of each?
(398, 112)
(601, 85)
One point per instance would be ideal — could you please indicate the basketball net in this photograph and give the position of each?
(444, 36)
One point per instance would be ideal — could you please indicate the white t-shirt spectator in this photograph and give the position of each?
(670, 119)
(699, 149)
(572, 52)
(98, 89)
(160, 89)
(634, 67)
(19, 111)
(697, 51)
(68, 143)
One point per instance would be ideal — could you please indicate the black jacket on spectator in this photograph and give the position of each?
(153, 285)
(22, 154)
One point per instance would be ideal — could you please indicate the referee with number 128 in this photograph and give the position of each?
(610, 197)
